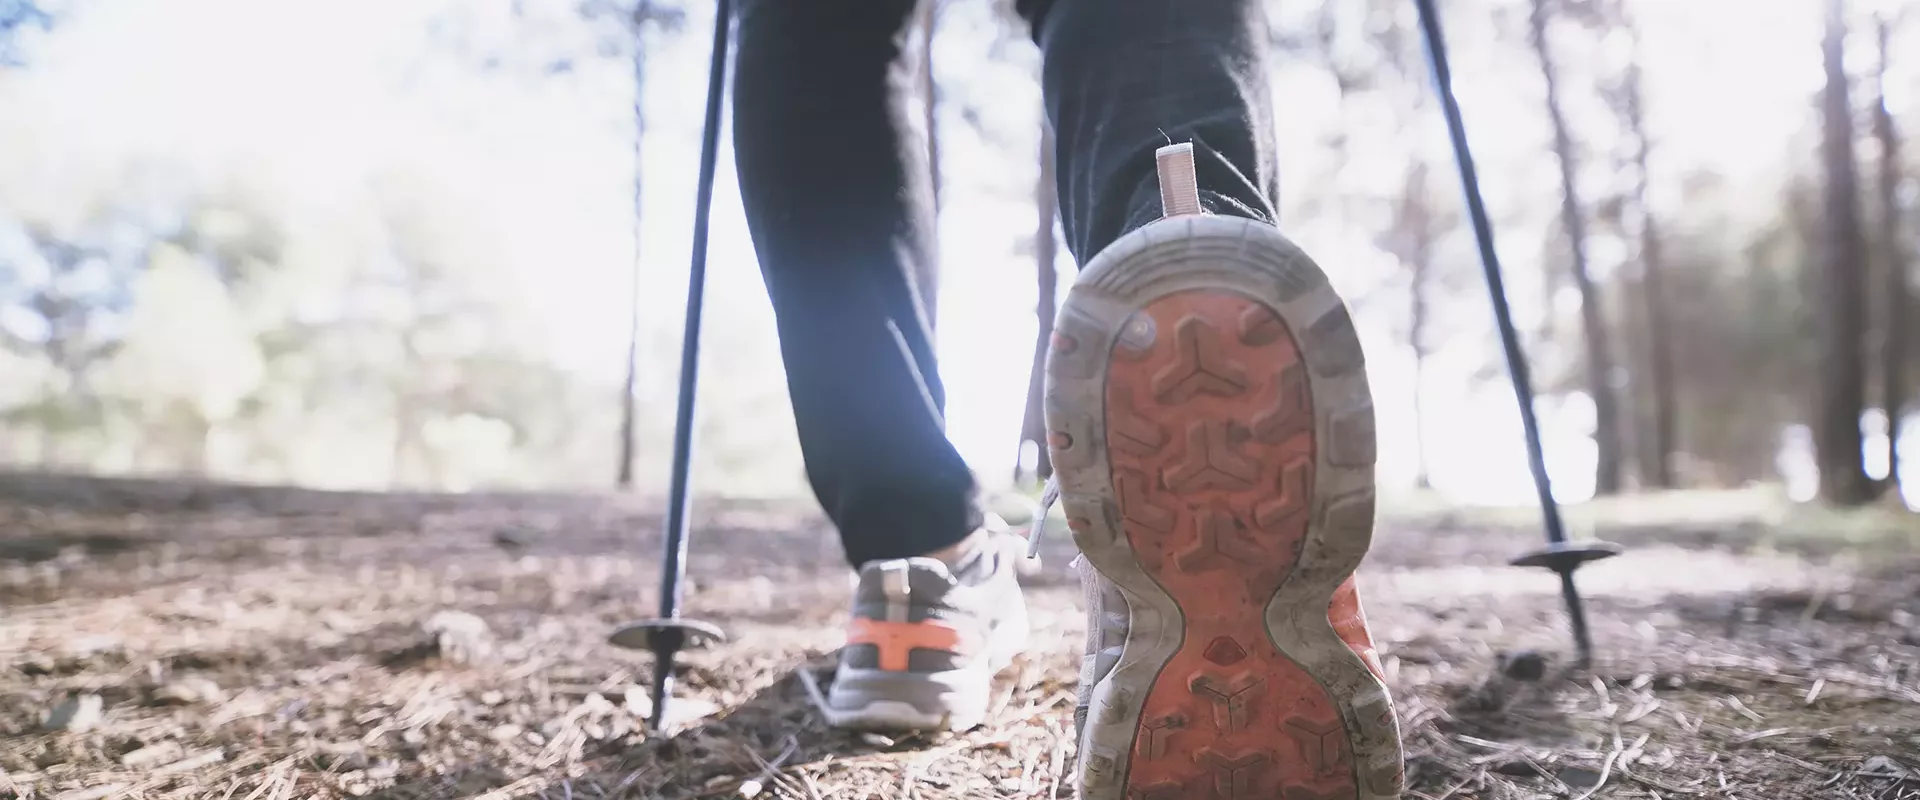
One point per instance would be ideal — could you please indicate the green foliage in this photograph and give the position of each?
(162, 316)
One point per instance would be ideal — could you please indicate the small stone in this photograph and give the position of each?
(78, 713)
(505, 733)
(492, 698)
(188, 691)
(637, 701)
(460, 637)
(460, 622)
(1884, 767)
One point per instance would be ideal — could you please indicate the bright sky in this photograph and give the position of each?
(307, 97)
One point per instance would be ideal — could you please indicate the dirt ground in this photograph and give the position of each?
(174, 640)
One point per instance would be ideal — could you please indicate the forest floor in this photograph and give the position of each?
(161, 640)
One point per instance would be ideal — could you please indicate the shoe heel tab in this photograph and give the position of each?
(1179, 182)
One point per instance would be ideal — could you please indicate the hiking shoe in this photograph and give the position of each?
(1213, 436)
(926, 640)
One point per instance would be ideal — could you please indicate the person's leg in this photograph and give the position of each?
(1124, 77)
(1210, 424)
(838, 198)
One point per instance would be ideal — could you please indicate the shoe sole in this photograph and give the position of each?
(1214, 440)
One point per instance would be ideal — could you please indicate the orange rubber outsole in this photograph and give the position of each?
(1220, 417)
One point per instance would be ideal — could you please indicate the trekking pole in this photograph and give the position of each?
(668, 634)
(1560, 555)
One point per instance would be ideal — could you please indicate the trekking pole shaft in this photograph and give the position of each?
(1577, 619)
(662, 689)
(679, 500)
(1509, 337)
(1490, 259)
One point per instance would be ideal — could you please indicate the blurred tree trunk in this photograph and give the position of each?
(1418, 222)
(1546, 334)
(1033, 428)
(1842, 379)
(1637, 399)
(194, 442)
(1893, 343)
(48, 459)
(928, 278)
(1662, 417)
(1606, 433)
(623, 477)
(406, 437)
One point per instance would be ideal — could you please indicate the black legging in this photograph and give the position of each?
(837, 195)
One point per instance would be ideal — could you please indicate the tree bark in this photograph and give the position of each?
(623, 477)
(1033, 428)
(1842, 393)
(1893, 353)
(1663, 435)
(1600, 368)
